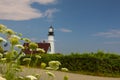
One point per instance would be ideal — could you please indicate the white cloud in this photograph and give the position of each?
(109, 34)
(21, 9)
(44, 1)
(65, 30)
(49, 12)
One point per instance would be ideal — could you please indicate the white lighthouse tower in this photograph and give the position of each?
(51, 39)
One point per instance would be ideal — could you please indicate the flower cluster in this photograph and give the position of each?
(38, 56)
(9, 32)
(40, 50)
(14, 40)
(2, 40)
(20, 46)
(30, 77)
(64, 69)
(43, 65)
(2, 28)
(54, 65)
(27, 59)
(26, 40)
(33, 46)
(50, 74)
(10, 58)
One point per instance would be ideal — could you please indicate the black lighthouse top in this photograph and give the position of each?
(51, 31)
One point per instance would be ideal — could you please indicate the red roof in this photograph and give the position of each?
(43, 45)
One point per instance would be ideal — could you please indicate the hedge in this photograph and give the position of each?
(89, 62)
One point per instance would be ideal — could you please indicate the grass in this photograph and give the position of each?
(32, 71)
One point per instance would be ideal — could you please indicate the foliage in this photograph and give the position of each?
(10, 59)
(98, 63)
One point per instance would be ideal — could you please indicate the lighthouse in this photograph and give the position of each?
(51, 40)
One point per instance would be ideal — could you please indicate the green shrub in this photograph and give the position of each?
(99, 62)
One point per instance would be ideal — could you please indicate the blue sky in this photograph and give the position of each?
(80, 25)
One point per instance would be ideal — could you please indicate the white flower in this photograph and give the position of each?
(20, 46)
(38, 56)
(50, 74)
(26, 40)
(31, 77)
(2, 78)
(2, 27)
(30, 49)
(2, 40)
(54, 64)
(43, 65)
(27, 59)
(3, 59)
(33, 45)
(9, 31)
(15, 36)
(41, 50)
(14, 40)
(64, 69)
(49, 68)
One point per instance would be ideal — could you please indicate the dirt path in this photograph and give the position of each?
(59, 75)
